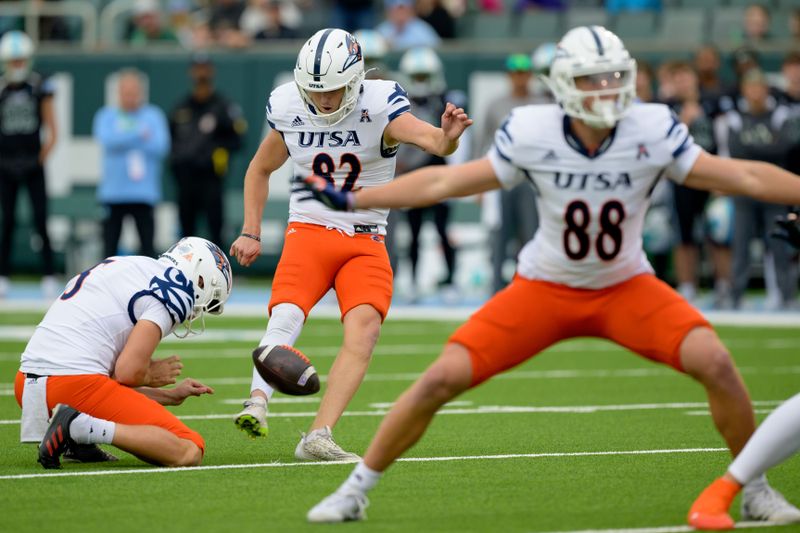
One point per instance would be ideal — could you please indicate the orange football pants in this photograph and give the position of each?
(315, 259)
(102, 397)
(643, 314)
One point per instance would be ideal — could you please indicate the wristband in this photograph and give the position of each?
(251, 236)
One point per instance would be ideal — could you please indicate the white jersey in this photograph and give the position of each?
(86, 328)
(591, 207)
(351, 153)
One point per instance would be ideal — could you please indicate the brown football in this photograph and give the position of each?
(286, 369)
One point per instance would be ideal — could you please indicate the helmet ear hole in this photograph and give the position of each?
(200, 282)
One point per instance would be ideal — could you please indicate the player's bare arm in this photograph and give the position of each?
(269, 157)
(49, 121)
(133, 368)
(422, 187)
(440, 141)
(759, 180)
(176, 396)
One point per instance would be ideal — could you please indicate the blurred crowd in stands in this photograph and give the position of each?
(694, 239)
(195, 24)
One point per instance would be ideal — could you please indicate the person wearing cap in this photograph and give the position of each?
(26, 110)
(517, 220)
(148, 24)
(206, 127)
(403, 29)
(760, 130)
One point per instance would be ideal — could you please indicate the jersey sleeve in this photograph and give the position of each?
(48, 87)
(502, 155)
(683, 151)
(272, 119)
(397, 102)
(153, 310)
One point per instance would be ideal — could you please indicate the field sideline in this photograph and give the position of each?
(585, 437)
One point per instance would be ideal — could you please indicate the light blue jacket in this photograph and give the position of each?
(134, 145)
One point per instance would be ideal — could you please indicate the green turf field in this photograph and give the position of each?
(586, 436)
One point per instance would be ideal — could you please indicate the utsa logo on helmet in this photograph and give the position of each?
(223, 265)
(354, 50)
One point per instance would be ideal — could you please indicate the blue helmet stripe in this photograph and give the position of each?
(318, 56)
(596, 40)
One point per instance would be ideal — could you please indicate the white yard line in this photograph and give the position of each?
(481, 410)
(327, 463)
(664, 529)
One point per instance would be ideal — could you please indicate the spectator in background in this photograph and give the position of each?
(665, 85)
(439, 18)
(755, 26)
(402, 29)
(134, 139)
(790, 70)
(758, 131)
(206, 128)
(224, 23)
(518, 218)
(690, 204)
(26, 109)
(523, 5)
(351, 15)
(148, 25)
(707, 64)
(644, 81)
(180, 20)
(275, 27)
(427, 90)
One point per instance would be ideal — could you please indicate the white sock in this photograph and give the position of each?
(362, 479)
(86, 429)
(776, 439)
(284, 326)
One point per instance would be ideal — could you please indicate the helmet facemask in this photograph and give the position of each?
(612, 92)
(347, 105)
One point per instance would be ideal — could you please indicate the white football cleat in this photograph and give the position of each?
(253, 418)
(340, 507)
(768, 505)
(320, 446)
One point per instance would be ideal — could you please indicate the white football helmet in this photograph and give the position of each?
(595, 53)
(424, 71)
(207, 267)
(329, 60)
(16, 45)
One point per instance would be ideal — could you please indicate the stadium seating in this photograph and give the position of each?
(685, 25)
(726, 25)
(586, 17)
(540, 25)
(635, 25)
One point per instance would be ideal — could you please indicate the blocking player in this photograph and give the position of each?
(90, 359)
(333, 123)
(593, 161)
(775, 440)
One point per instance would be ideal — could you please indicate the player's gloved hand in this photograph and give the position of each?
(324, 191)
(788, 228)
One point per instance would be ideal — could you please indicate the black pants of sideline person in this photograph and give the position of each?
(9, 187)
(441, 214)
(200, 193)
(144, 217)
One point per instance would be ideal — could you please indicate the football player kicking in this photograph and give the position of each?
(593, 161)
(333, 123)
(90, 359)
(775, 440)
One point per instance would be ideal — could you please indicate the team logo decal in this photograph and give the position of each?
(355, 52)
(642, 152)
(365, 116)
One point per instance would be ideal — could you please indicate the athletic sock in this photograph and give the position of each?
(284, 326)
(776, 439)
(87, 429)
(362, 479)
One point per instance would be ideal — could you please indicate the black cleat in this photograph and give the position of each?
(56, 438)
(87, 453)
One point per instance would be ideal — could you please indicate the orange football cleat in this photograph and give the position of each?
(710, 509)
